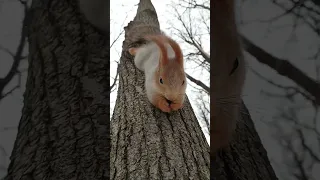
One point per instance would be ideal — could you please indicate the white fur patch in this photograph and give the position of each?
(171, 54)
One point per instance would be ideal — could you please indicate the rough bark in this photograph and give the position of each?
(245, 158)
(147, 143)
(64, 129)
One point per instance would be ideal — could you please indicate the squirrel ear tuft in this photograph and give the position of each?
(163, 60)
(160, 42)
(133, 51)
(177, 50)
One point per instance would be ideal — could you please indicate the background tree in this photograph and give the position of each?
(295, 125)
(64, 129)
(147, 143)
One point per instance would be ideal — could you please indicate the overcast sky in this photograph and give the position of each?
(276, 38)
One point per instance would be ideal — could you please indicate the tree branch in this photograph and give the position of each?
(291, 91)
(199, 83)
(115, 79)
(284, 68)
(194, 4)
(17, 57)
(190, 36)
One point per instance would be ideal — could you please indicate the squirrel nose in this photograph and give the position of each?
(169, 101)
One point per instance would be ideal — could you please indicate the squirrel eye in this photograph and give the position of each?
(161, 81)
(235, 66)
(183, 82)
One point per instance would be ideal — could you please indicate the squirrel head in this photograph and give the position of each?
(170, 81)
(170, 78)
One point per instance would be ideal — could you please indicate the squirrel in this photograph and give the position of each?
(161, 60)
(227, 75)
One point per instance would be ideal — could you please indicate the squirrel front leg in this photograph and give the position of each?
(161, 103)
(178, 105)
(157, 100)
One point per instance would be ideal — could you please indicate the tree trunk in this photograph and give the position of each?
(246, 158)
(64, 129)
(147, 143)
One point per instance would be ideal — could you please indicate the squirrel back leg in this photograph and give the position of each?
(137, 59)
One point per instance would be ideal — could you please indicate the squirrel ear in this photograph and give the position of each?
(133, 51)
(159, 40)
(180, 59)
(177, 50)
(163, 60)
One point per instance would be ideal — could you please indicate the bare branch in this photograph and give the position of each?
(7, 51)
(199, 83)
(291, 91)
(17, 57)
(290, 10)
(306, 147)
(193, 4)
(313, 25)
(204, 114)
(190, 37)
(284, 68)
(116, 39)
(115, 79)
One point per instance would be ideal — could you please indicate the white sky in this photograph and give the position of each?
(270, 37)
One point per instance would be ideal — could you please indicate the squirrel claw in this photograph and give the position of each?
(176, 106)
(164, 106)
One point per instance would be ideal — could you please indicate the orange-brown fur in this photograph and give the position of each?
(168, 96)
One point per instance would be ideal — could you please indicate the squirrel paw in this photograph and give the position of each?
(133, 51)
(176, 106)
(163, 105)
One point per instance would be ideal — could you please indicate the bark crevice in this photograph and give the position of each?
(64, 129)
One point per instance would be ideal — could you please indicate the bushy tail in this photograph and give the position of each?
(160, 40)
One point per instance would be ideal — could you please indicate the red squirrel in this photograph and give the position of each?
(227, 74)
(161, 60)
